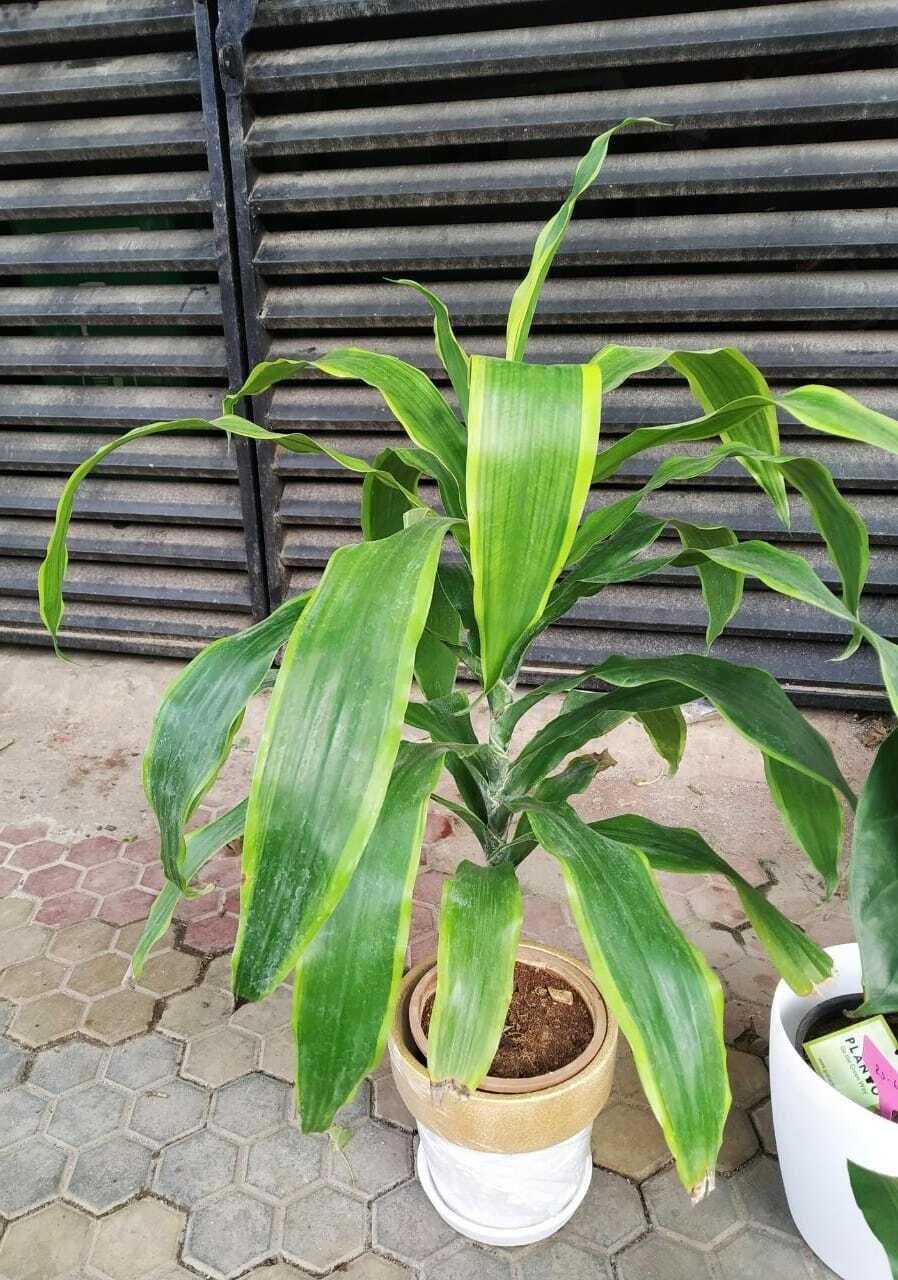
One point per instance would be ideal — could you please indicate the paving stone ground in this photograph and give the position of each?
(148, 1133)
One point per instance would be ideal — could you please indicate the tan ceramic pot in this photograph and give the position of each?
(547, 1113)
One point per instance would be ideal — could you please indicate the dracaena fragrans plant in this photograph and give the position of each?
(335, 813)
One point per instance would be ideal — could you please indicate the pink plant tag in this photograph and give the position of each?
(886, 1076)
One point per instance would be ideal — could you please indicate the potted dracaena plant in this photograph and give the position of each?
(332, 826)
(839, 1161)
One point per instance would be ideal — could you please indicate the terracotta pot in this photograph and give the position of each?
(506, 1168)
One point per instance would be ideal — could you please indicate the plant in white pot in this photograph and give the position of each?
(500, 541)
(840, 1161)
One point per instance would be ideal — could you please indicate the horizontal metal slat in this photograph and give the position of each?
(139, 627)
(833, 166)
(128, 542)
(805, 354)
(823, 296)
(127, 500)
(107, 138)
(107, 251)
(119, 637)
(105, 195)
(733, 33)
(135, 356)
(732, 104)
(705, 238)
(115, 407)
(60, 452)
(151, 75)
(58, 21)
(134, 585)
(196, 304)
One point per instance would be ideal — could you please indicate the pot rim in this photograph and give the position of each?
(819, 1092)
(399, 1036)
(529, 953)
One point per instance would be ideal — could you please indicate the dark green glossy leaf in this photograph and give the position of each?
(876, 1195)
(812, 812)
(480, 927)
(873, 881)
(328, 745)
(196, 721)
(347, 979)
(657, 985)
(721, 587)
(666, 729)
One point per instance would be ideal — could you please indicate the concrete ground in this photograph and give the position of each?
(146, 1132)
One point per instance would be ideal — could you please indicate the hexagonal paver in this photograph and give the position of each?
(629, 1140)
(324, 1228)
(279, 1054)
(67, 908)
(553, 1260)
(66, 1066)
(759, 1190)
(407, 1225)
(21, 1112)
(357, 1108)
(168, 972)
(12, 1062)
(17, 945)
(704, 1223)
(29, 1175)
(15, 912)
(143, 1061)
(220, 1055)
(196, 1011)
(752, 1255)
(99, 974)
(169, 1110)
(229, 1234)
(196, 1167)
(749, 1082)
(34, 978)
(762, 1118)
(654, 1257)
(266, 1015)
(287, 1271)
(374, 1159)
(46, 881)
(740, 1142)
(81, 941)
(49, 1244)
(119, 1016)
(473, 1263)
(212, 933)
(36, 853)
(95, 850)
(249, 1106)
(111, 876)
(137, 1240)
(610, 1215)
(126, 907)
(46, 1020)
(109, 1174)
(387, 1104)
(284, 1162)
(86, 1115)
(218, 975)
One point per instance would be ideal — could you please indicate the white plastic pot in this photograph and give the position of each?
(525, 1196)
(818, 1131)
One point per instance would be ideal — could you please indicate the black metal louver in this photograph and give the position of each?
(433, 139)
(116, 309)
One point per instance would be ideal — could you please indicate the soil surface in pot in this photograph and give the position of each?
(832, 1016)
(547, 1026)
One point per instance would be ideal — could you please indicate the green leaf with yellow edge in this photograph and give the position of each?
(873, 881)
(328, 745)
(480, 928)
(532, 440)
(812, 813)
(658, 986)
(348, 977)
(549, 240)
(452, 355)
(683, 851)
